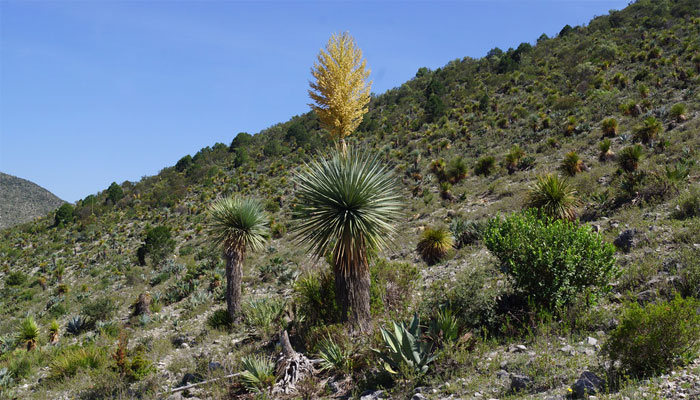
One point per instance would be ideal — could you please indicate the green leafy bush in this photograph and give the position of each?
(688, 205)
(158, 244)
(264, 314)
(550, 261)
(314, 295)
(655, 338)
(64, 214)
(100, 310)
(220, 319)
(392, 286)
(15, 278)
(485, 166)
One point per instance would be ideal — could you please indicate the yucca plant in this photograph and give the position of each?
(434, 245)
(258, 373)
(28, 332)
(609, 126)
(513, 158)
(648, 131)
(457, 170)
(629, 158)
(264, 313)
(553, 196)
(347, 205)
(437, 167)
(405, 348)
(679, 172)
(465, 232)
(334, 357)
(605, 152)
(485, 166)
(445, 327)
(678, 112)
(571, 164)
(53, 331)
(237, 225)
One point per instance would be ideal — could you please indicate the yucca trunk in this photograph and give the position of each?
(234, 277)
(352, 282)
(31, 345)
(53, 338)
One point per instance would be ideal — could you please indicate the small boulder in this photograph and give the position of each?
(626, 240)
(588, 384)
(520, 382)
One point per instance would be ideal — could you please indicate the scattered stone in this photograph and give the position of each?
(519, 348)
(372, 395)
(626, 240)
(568, 350)
(588, 384)
(592, 341)
(519, 382)
(646, 296)
(215, 366)
(190, 378)
(418, 396)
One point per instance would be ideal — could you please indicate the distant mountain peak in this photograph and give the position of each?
(22, 201)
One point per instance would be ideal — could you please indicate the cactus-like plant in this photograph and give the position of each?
(258, 373)
(629, 158)
(572, 164)
(405, 348)
(53, 331)
(434, 245)
(28, 332)
(76, 325)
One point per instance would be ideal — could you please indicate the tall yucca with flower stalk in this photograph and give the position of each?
(347, 205)
(237, 225)
(341, 90)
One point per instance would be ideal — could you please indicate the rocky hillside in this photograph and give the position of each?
(127, 293)
(22, 201)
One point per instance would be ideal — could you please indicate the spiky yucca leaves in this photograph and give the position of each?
(457, 170)
(434, 245)
(334, 357)
(341, 90)
(648, 131)
(678, 112)
(554, 197)
(237, 225)
(53, 331)
(28, 332)
(513, 158)
(348, 205)
(258, 373)
(605, 152)
(609, 126)
(629, 158)
(571, 164)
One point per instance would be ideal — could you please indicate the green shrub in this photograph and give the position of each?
(688, 205)
(314, 295)
(158, 244)
(571, 164)
(392, 286)
(64, 214)
(28, 332)
(456, 170)
(678, 112)
(100, 310)
(655, 338)
(466, 232)
(264, 314)
(15, 278)
(648, 130)
(688, 271)
(485, 166)
(220, 319)
(609, 127)
(629, 158)
(550, 261)
(72, 359)
(434, 245)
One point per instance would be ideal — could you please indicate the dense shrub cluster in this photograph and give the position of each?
(550, 261)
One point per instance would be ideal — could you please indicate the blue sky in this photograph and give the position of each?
(98, 91)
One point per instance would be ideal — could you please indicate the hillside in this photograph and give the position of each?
(450, 136)
(22, 201)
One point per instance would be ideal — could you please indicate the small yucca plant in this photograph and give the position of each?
(28, 332)
(629, 158)
(434, 245)
(648, 131)
(571, 164)
(457, 170)
(678, 112)
(258, 373)
(334, 357)
(605, 152)
(513, 158)
(609, 126)
(554, 197)
(53, 331)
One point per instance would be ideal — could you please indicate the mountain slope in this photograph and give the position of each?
(639, 66)
(22, 201)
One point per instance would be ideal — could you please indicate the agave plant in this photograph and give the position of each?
(334, 357)
(571, 164)
(258, 373)
(554, 197)
(237, 225)
(434, 245)
(28, 332)
(405, 348)
(77, 325)
(5, 378)
(348, 205)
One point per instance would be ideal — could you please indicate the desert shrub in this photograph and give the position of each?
(485, 166)
(687, 269)
(73, 359)
(553, 197)
(28, 332)
(605, 151)
(64, 214)
(158, 244)
(100, 310)
(472, 296)
(392, 286)
(434, 245)
(655, 338)
(264, 314)
(513, 158)
(465, 232)
(456, 170)
(550, 260)
(688, 205)
(314, 296)
(15, 278)
(220, 319)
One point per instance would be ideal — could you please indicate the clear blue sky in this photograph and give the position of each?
(98, 91)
